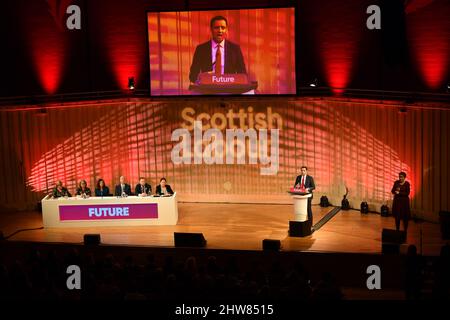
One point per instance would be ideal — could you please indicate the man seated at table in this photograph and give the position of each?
(60, 191)
(163, 188)
(122, 188)
(143, 188)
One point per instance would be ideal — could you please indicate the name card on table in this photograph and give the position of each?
(108, 212)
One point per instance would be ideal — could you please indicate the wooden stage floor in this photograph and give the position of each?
(239, 227)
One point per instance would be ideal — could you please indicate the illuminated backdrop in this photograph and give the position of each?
(344, 143)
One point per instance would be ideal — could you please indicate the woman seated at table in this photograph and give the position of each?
(83, 189)
(101, 190)
(163, 188)
(60, 191)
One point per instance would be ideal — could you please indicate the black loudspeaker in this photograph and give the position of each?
(324, 201)
(391, 240)
(299, 229)
(91, 239)
(390, 248)
(444, 220)
(364, 207)
(384, 210)
(272, 245)
(393, 236)
(189, 239)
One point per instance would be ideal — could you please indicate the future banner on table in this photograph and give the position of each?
(110, 211)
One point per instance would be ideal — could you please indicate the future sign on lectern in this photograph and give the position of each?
(232, 83)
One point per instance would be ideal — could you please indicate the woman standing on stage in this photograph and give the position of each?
(400, 207)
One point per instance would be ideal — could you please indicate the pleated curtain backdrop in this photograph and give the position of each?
(345, 143)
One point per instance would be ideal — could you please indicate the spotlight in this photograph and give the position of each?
(384, 210)
(345, 204)
(131, 83)
(314, 83)
(448, 87)
(364, 207)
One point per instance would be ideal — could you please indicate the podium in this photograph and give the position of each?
(229, 83)
(300, 226)
(300, 198)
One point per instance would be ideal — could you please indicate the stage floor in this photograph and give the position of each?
(240, 227)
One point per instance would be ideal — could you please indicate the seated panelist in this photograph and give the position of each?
(83, 189)
(143, 188)
(101, 189)
(122, 188)
(60, 191)
(163, 188)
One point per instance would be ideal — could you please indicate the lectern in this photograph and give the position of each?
(228, 83)
(300, 226)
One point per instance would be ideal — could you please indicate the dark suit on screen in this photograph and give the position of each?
(309, 183)
(202, 61)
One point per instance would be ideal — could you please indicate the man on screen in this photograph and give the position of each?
(217, 55)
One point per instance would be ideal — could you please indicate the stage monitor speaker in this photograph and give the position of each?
(324, 202)
(390, 248)
(92, 239)
(183, 239)
(272, 245)
(444, 220)
(393, 236)
(299, 229)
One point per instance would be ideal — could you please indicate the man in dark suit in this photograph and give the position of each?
(122, 188)
(143, 188)
(304, 181)
(217, 55)
(60, 190)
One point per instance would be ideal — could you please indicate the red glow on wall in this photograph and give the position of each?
(337, 70)
(48, 63)
(124, 43)
(338, 33)
(47, 45)
(429, 34)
